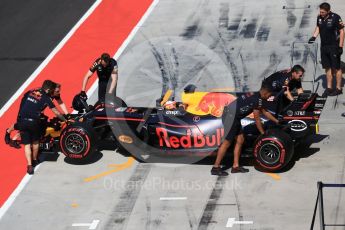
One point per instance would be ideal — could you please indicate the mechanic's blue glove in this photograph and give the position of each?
(311, 40)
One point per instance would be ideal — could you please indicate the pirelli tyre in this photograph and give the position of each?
(77, 142)
(273, 150)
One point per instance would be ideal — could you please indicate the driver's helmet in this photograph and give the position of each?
(79, 103)
(170, 105)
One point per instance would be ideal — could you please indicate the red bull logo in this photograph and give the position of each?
(214, 103)
(190, 140)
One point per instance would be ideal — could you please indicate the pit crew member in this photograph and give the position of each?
(232, 116)
(288, 79)
(331, 29)
(56, 95)
(32, 105)
(107, 70)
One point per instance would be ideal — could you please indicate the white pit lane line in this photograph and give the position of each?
(92, 225)
(232, 221)
(172, 198)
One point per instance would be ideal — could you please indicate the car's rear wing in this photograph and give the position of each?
(304, 113)
(308, 106)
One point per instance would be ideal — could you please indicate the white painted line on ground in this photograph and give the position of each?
(173, 198)
(92, 225)
(127, 41)
(32, 77)
(231, 222)
(48, 59)
(15, 193)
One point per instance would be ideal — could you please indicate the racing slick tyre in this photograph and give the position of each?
(78, 142)
(273, 150)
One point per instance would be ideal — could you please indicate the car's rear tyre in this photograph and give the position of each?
(77, 142)
(273, 150)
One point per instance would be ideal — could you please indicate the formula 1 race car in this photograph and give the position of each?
(183, 133)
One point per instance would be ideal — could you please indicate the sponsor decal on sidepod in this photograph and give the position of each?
(297, 125)
(191, 140)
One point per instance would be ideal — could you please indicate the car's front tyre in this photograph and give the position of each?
(77, 142)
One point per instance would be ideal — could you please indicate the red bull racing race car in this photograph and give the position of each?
(191, 131)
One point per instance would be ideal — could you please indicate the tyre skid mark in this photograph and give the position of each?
(235, 23)
(211, 205)
(272, 67)
(148, 214)
(176, 65)
(164, 208)
(172, 68)
(192, 31)
(264, 30)
(291, 17)
(234, 32)
(198, 17)
(123, 209)
(231, 63)
(224, 9)
(249, 30)
(195, 71)
(168, 68)
(245, 87)
(239, 210)
(156, 222)
(162, 68)
(305, 18)
(192, 221)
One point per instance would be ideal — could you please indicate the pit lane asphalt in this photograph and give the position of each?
(131, 198)
(30, 30)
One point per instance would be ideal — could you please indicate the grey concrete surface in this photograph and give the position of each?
(179, 43)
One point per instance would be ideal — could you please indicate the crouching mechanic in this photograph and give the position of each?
(289, 79)
(32, 105)
(232, 116)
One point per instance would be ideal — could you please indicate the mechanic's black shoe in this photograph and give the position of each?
(30, 170)
(327, 92)
(7, 137)
(336, 92)
(239, 169)
(15, 144)
(217, 171)
(35, 163)
(343, 114)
